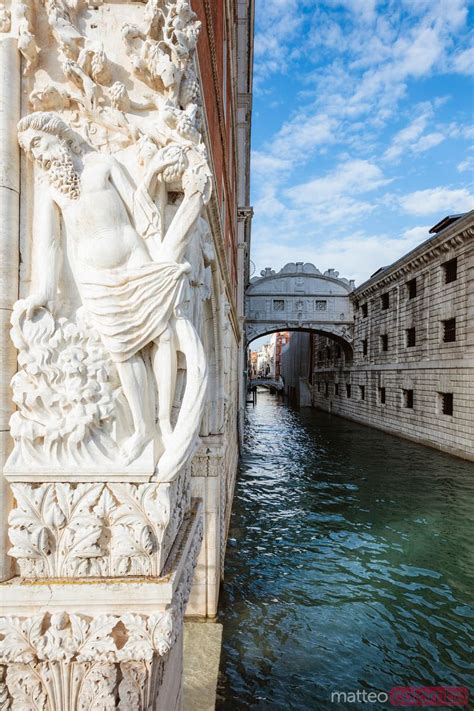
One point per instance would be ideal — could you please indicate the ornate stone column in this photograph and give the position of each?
(9, 248)
(111, 377)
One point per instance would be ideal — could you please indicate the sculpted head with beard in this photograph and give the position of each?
(44, 137)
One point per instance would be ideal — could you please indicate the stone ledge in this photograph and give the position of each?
(94, 596)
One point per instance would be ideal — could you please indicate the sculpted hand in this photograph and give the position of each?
(33, 303)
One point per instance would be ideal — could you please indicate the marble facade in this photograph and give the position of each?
(120, 343)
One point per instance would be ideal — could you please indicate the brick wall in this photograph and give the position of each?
(429, 368)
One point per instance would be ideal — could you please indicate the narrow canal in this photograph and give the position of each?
(349, 565)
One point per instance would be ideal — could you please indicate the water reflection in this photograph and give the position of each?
(349, 564)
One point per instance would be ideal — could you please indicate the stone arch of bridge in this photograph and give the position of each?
(300, 298)
(338, 337)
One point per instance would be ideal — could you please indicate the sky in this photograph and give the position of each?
(362, 134)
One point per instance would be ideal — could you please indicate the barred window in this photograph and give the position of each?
(449, 330)
(410, 336)
(447, 403)
(321, 305)
(408, 399)
(278, 304)
(411, 288)
(450, 270)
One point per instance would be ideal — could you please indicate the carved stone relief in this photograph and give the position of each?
(62, 660)
(121, 250)
(95, 530)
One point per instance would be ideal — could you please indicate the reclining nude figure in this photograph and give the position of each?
(130, 297)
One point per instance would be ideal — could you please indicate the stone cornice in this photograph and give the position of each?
(419, 257)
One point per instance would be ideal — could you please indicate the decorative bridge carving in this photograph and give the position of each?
(299, 297)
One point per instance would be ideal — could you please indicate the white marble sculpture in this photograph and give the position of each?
(97, 387)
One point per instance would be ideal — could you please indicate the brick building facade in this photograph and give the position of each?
(411, 372)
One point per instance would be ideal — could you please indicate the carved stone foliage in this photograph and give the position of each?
(95, 530)
(61, 660)
(65, 391)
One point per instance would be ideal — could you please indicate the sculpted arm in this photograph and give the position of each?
(46, 257)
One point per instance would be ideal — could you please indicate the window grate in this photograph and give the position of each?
(408, 399)
(450, 271)
(447, 403)
(410, 337)
(449, 330)
(411, 288)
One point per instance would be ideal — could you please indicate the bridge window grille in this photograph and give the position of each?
(336, 388)
(365, 310)
(385, 299)
(348, 390)
(450, 271)
(447, 403)
(449, 330)
(411, 288)
(410, 337)
(362, 392)
(408, 399)
(321, 305)
(364, 346)
(382, 396)
(384, 342)
(278, 304)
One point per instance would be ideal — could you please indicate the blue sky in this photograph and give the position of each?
(362, 128)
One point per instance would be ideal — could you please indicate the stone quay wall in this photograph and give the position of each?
(412, 368)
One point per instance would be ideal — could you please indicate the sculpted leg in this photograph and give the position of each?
(132, 374)
(165, 368)
(183, 439)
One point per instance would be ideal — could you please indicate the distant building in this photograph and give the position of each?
(253, 364)
(412, 368)
(278, 342)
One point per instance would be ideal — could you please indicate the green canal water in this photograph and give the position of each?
(350, 565)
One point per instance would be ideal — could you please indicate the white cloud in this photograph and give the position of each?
(353, 177)
(437, 201)
(466, 165)
(354, 256)
(430, 140)
(412, 138)
(463, 63)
